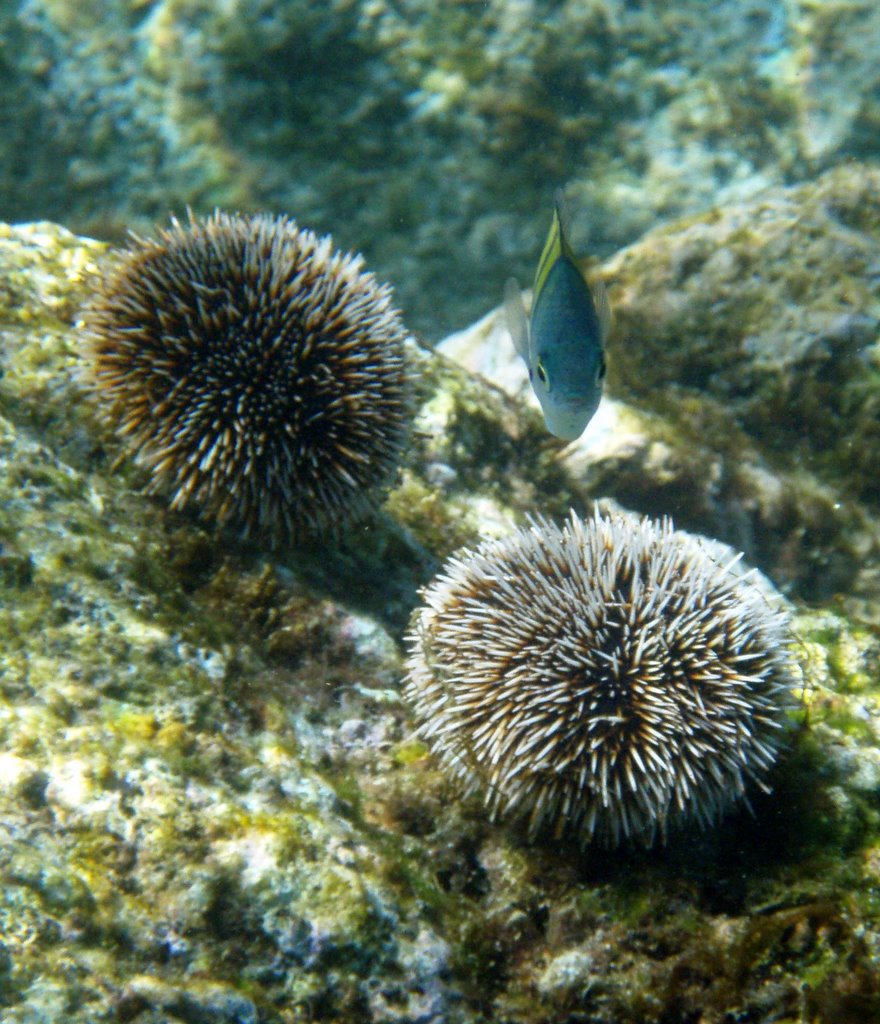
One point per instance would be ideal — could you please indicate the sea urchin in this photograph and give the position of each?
(607, 678)
(257, 372)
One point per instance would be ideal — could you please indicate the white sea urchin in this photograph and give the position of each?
(609, 677)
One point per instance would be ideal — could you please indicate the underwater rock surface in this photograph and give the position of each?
(435, 133)
(211, 807)
(744, 368)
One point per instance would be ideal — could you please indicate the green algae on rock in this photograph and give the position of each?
(742, 363)
(211, 805)
(831, 55)
(649, 109)
(165, 787)
(732, 301)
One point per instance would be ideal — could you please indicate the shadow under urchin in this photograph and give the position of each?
(607, 680)
(256, 372)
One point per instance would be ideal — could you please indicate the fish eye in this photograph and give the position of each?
(542, 373)
(600, 370)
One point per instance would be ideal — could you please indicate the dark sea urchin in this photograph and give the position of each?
(608, 678)
(257, 372)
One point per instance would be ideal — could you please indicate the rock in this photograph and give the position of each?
(828, 53)
(567, 974)
(429, 136)
(771, 309)
(211, 1004)
(212, 806)
(743, 399)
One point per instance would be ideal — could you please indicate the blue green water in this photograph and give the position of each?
(214, 805)
(431, 137)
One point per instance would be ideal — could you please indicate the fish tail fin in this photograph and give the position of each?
(515, 314)
(603, 308)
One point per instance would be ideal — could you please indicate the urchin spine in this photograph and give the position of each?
(608, 677)
(257, 373)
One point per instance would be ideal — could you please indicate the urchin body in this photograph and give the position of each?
(607, 678)
(255, 371)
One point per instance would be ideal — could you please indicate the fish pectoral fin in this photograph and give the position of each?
(515, 314)
(603, 308)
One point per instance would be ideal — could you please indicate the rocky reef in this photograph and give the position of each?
(212, 806)
(743, 368)
(433, 134)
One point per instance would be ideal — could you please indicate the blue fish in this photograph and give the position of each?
(563, 342)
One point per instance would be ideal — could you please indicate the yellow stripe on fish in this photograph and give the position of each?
(552, 251)
(563, 341)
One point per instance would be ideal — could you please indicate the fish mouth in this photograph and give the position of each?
(569, 422)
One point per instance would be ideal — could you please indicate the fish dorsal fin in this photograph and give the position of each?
(556, 245)
(563, 213)
(551, 253)
(603, 308)
(515, 314)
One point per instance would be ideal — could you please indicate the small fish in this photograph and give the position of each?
(563, 342)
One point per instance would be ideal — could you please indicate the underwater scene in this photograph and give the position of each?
(440, 512)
